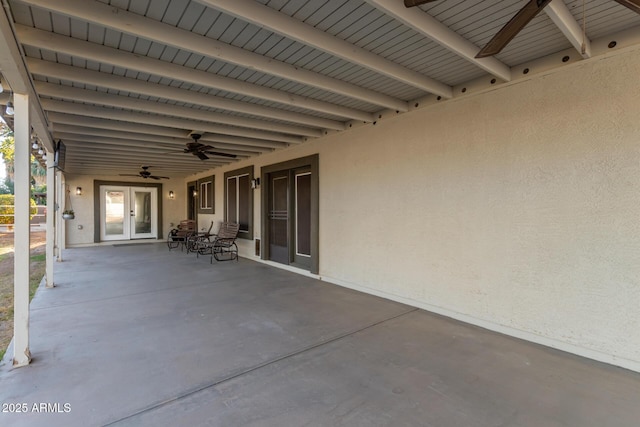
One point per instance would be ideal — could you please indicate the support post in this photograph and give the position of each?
(51, 213)
(21, 272)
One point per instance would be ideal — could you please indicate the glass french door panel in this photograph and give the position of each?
(114, 213)
(143, 213)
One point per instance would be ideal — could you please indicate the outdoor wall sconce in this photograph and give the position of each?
(255, 183)
(172, 195)
(78, 191)
(195, 193)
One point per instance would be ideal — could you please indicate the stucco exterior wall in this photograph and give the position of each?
(517, 209)
(173, 210)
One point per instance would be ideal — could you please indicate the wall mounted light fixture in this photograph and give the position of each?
(172, 195)
(195, 193)
(78, 191)
(255, 183)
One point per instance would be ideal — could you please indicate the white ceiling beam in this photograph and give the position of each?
(130, 116)
(266, 17)
(139, 26)
(561, 16)
(95, 149)
(117, 125)
(427, 25)
(61, 131)
(102, 98)
(111, 81)
(111, 141)
(104, 153)
(15, 75)
(144, 139)
(59, 119)
(110, 56)
(78, 150)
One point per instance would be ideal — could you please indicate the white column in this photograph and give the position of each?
(51, 212)
(22, 133)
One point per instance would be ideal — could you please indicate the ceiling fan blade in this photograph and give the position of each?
(513, 27)
(217, 153)
(631, 4)
(200, 155)
(161, 177)
(126, 174)
(411, 3)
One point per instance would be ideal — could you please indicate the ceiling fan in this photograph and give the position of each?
(518, 22)
(144, 173)
(201, 150)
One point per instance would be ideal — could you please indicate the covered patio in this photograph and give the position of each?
(137, 335)
(383, 170)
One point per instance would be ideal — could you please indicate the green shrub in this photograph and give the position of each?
(7, 209)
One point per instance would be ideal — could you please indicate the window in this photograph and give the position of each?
(238, 200)
(205, 195)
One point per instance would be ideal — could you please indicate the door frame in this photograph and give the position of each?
(312, 163)
(96, 203)
(129, 207)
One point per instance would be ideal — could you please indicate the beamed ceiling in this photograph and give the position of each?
(124, 82)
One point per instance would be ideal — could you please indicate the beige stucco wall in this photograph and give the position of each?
(173, 210)
(516, 209)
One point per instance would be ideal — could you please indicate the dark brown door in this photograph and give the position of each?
(192, 200)
(279, 217)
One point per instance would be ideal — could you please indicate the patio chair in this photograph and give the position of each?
(193, 239)
(223, 247)
(178, 236)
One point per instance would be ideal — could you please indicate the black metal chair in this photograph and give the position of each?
(180, 235)
(195, 238)
(223, 247)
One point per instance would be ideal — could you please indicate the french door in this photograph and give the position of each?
(128, 213)
(290, 217)
(290, 213)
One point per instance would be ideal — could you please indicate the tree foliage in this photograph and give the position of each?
(7, 208)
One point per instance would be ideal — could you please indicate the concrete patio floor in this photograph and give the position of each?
(135, 335)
